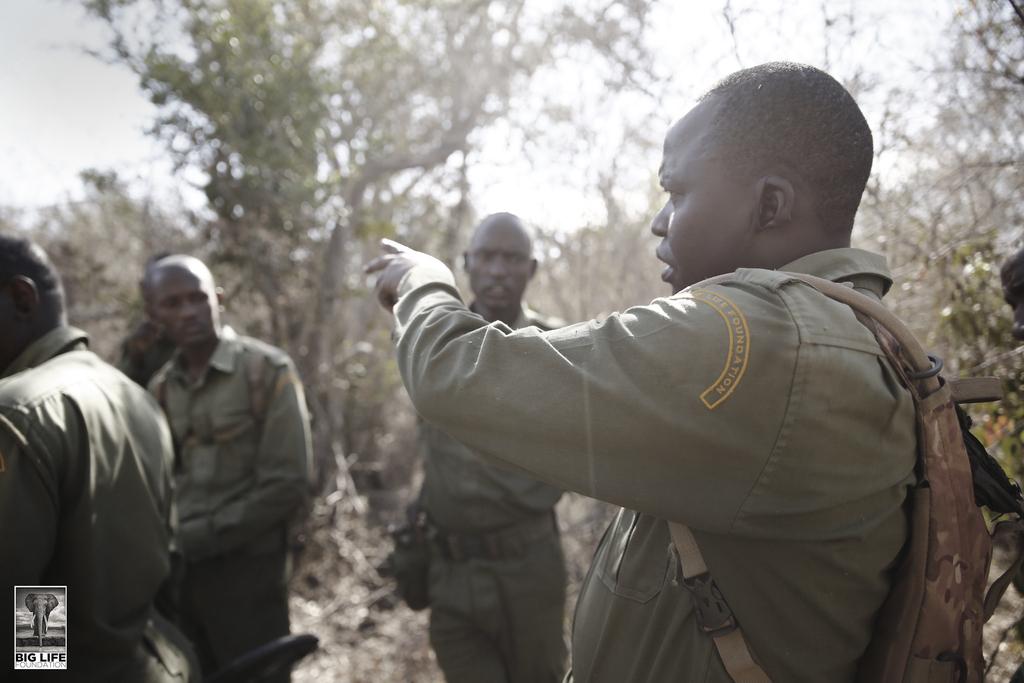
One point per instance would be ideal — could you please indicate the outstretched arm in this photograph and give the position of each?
(655, 409)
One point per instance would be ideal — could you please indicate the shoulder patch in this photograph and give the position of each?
(737, 351)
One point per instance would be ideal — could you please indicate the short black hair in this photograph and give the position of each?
(802, 117)
(20, 256)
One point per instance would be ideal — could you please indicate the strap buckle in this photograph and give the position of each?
(935, 369)
(713, 614)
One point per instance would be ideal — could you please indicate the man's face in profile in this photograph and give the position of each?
(706, 223)
(499, 265)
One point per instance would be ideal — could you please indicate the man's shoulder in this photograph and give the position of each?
(58, 375)
(765, 294)
(269, 353)
(71, 386)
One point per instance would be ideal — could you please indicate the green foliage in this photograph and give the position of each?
(978, 323)
(99, 246)
(319, 126)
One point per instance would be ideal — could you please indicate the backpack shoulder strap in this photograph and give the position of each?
(256, 384)
(713, 614)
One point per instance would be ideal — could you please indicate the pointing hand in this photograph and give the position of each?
(395, 261)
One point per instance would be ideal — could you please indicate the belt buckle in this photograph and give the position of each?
(714, 616)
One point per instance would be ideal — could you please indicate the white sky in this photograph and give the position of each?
(62, 110)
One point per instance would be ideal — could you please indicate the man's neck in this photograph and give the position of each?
(195, 358)
(508, 315)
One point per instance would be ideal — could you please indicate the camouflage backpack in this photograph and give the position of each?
(929, 630)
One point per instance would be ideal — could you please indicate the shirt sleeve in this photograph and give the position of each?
(283, 462)
(28, 511)
(673, 409)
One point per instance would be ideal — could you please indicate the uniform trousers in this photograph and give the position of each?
(234, 602)
(500, 620)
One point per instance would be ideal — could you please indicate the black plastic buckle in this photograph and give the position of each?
(935, 369)
(713, 614)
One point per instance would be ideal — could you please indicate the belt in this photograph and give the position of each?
(507, 542)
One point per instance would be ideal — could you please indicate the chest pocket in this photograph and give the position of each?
(634, 561)
(227, 446)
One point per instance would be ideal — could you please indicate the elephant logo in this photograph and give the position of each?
(40, 605)
(41, 627)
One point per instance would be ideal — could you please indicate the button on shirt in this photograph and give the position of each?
(756, 411)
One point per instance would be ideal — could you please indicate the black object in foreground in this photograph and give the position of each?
(266, 660)
(992, 488)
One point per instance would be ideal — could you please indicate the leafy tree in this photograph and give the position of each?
(320, 125)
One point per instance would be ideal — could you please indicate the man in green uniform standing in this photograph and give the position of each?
(147, 348)
(497, 577)
(752, 409)
(241, 432)
(85, 484)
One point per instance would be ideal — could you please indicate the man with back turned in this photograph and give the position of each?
(85, 485)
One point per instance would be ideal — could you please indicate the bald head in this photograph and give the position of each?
(180, 263)
(500, 263)
(186, 302)
(507, 225)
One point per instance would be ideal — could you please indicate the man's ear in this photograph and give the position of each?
(533, 268)
(465, 261)
(25, 295)
(776, 198)
(219, 291)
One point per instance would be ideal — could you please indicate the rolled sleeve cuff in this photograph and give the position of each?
(424, 285)
(425, 274)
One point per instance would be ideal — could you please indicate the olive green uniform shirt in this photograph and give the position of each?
(239, 477)
(85, 498)
(463, 493)
(140, 360)
(756, 411)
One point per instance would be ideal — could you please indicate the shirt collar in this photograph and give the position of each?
(866, 270)
(53, 343)
(224, 357)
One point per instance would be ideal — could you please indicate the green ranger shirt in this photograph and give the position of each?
(756, 411)
(85, 499)
(140, 360)
(241, 475)
(463, 493)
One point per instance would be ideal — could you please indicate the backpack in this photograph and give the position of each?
(929, 629)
